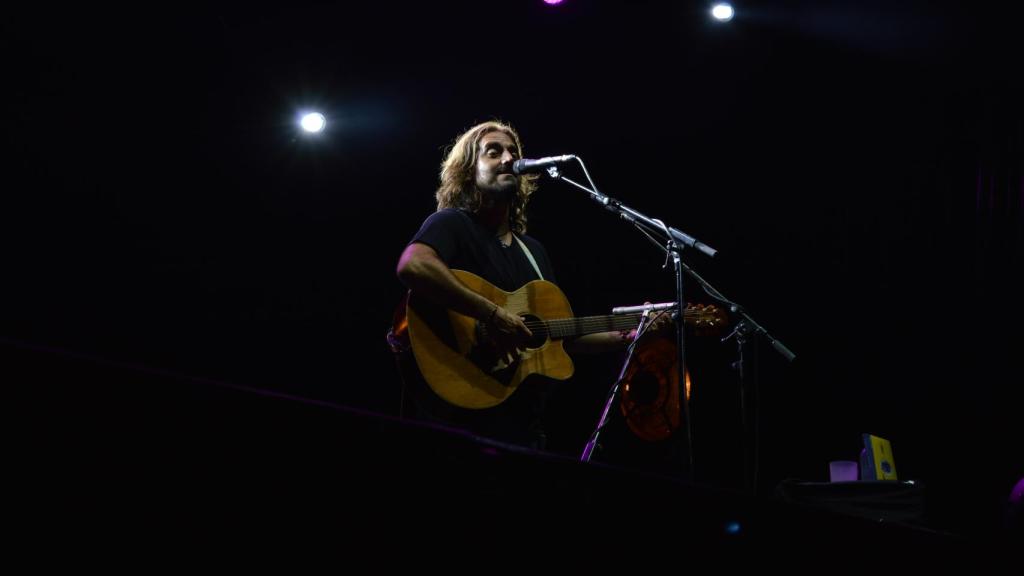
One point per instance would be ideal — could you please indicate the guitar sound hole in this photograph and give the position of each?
(539, 329)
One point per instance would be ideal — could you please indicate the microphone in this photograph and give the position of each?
(528, 166)
(692, 242)
(643, 308)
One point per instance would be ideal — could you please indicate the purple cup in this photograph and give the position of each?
(842, 471)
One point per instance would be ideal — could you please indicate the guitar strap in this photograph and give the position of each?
(529, 256)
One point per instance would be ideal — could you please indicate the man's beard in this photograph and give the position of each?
(507, 192)
(499, 193)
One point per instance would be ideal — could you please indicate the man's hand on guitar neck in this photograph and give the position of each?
(507, 333)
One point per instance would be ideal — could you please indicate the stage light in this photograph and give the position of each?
(313, 122)
(723, 12)
(552, 2)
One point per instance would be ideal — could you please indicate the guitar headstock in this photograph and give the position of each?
(706, 319)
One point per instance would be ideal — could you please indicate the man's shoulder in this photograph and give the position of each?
(444, 227)
(448, 215)
(453, 213)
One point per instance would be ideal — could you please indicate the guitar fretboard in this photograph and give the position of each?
(579, 326)
(565, 327)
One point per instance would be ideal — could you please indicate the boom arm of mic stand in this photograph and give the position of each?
(628, 214)
(738, 310)
(779, 346)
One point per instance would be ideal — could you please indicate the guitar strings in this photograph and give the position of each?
(600, 321)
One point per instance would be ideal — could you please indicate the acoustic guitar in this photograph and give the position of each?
(456, 360)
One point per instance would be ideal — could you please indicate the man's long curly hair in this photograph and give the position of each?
(458, 175)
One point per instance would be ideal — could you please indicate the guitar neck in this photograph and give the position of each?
(583, 325)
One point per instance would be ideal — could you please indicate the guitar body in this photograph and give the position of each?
(459, 365)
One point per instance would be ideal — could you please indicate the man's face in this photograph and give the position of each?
(494, 177)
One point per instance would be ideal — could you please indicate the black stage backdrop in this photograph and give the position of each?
(857, 165)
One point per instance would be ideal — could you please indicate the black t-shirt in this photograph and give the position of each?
(464, 244)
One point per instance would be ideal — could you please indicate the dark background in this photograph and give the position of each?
(857, 165)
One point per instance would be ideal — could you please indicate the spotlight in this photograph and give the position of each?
(313, 122)
(723, 12)
(552, 2)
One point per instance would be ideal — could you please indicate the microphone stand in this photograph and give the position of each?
(592, 442)
(674, 242)
(748, 388)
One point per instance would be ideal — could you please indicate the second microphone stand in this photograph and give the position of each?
(588, 450)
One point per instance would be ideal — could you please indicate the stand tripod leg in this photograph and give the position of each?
(588, 450)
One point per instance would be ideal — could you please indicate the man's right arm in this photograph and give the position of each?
(422, 270)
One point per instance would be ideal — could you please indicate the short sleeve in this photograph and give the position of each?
(441, 231)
